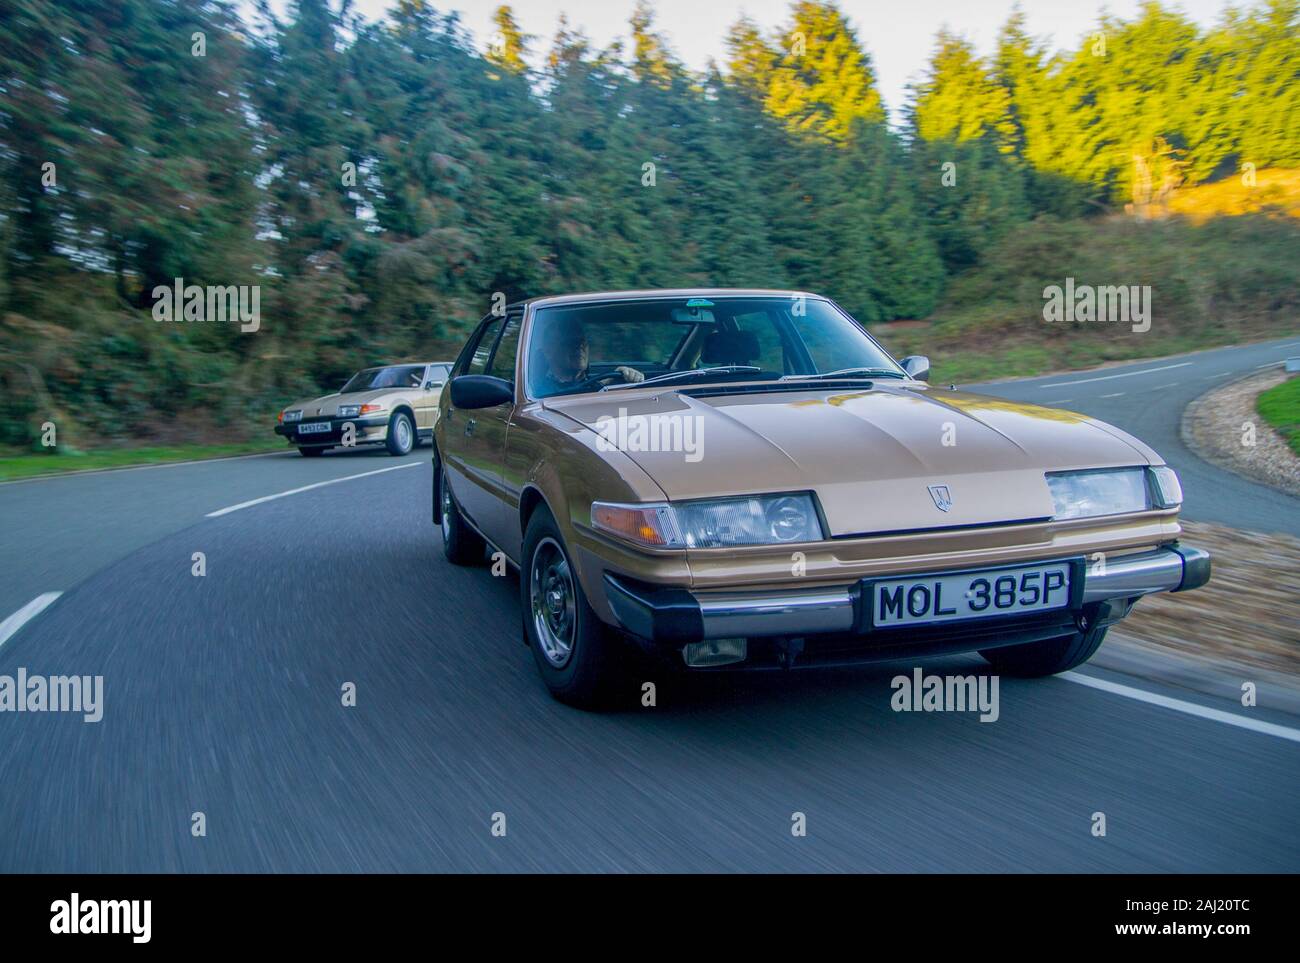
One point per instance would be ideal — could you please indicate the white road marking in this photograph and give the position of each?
(1058, 401)
(1169, 385)
(1270, 364)
(1221, 374)
(1117, 394)
(10, 626)
(1178, 705)
(307, 488)
(1126, 374)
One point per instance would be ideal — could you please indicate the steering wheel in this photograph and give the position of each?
(597, 379)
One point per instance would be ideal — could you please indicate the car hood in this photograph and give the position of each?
(870, 454)
(327, 405)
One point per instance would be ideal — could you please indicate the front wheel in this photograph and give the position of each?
(577, 655)
(1048, 657)
(401, 434)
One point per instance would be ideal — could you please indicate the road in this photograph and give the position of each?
(222, 695)
(1147, 400)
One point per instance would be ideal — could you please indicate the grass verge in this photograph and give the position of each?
(1229, 280)
(1280, 407)
(29, 465)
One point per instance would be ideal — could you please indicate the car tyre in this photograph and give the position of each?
(401, 434)
(311, 452)
(460, 543)
(590, 672)
(1048, 657)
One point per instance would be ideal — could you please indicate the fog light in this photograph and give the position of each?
(714, 652)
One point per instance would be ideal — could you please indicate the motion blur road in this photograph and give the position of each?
(222, 696)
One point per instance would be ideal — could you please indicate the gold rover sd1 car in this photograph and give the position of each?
(736, 478)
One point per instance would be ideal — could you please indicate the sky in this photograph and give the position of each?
(898, 34)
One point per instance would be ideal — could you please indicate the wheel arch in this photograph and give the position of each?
(529, 500)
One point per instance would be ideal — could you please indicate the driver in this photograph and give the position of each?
(565, 352)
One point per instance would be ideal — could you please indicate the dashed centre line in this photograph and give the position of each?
(1126, 374)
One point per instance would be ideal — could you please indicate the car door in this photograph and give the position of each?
(426, 400)
(468, 465)
(491, 426)
(439, 375)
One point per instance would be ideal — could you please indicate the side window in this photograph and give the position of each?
(439, 373)
(503, 361)
(487, 337)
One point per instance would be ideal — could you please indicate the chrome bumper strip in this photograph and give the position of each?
(812, 611)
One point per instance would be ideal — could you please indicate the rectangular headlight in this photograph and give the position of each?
(295, 415)
(349, 411)
(1108, 491)
(755, 520)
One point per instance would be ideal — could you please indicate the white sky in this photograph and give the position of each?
(899, 34)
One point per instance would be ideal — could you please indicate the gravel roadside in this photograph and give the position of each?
(1214, 427)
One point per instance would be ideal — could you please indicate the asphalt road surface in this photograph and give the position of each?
(222, 695)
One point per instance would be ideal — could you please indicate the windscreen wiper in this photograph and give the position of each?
(687, 373)
(846, 372)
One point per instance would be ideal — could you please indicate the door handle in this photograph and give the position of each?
(469, 427)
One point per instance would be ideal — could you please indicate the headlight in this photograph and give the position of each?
(1166, 490)
(1085, 494)
(295, 415)
(762, 520)
(351, 411)
(756, 520)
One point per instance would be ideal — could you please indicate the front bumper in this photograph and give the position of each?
(669, 617)
(368, 430)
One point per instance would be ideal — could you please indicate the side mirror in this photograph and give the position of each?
(481, 391)
(432, 385)
(918, 366)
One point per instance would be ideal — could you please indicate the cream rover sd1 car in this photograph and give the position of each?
(394, 405)
(737, 479)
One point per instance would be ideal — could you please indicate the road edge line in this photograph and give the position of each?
(1180, 705)
(305, 488)
(10, 626)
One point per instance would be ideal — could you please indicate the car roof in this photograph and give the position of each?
(590, 296)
